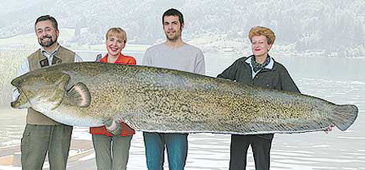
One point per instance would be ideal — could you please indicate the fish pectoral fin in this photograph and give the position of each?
(114, 127)
(79, 95)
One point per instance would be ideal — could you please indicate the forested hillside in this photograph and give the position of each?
(333, 27)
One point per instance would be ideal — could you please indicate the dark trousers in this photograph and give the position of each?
(260, 144)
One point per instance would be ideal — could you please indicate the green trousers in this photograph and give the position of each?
(40, 140)
(111, 152)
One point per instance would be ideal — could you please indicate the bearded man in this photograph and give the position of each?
(43, 135)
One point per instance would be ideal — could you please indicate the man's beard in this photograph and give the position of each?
(174, 38)
(48, 43)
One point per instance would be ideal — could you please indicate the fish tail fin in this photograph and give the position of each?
(344, 116)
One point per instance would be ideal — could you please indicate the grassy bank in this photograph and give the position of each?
(10, 62)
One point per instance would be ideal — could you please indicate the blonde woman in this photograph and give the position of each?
(112, 151)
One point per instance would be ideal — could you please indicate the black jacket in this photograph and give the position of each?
(275, 78)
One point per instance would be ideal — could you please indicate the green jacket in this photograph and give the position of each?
(275, 78)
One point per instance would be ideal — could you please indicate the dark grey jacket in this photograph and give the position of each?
(275, 78)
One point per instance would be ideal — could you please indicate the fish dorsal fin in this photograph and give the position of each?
(79, 95)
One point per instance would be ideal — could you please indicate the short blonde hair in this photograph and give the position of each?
(258, 30)
(117, 31)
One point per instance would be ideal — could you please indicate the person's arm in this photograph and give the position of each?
(78, 58)
(24, 68)
(287, 83)
(132, 61)
(147, 58)
(230, 72)
(200, 64)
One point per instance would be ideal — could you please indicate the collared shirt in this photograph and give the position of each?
(24, 68)
(268, 66)
(50, 55)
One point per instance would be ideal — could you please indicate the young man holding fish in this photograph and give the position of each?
(174, 53)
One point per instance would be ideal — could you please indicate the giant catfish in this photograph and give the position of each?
(170, 101)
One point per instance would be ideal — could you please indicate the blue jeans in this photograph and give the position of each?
(177, 150)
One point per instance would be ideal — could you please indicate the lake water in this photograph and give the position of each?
(339, 80)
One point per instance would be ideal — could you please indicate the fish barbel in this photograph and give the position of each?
(163, 100)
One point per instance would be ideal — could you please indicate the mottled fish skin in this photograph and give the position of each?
(170, 101)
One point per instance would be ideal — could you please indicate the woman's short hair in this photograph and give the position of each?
(118, 32)
(258, 30)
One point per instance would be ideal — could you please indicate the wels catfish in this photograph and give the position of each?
(170, 101)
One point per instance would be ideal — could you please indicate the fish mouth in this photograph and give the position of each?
(21, 102)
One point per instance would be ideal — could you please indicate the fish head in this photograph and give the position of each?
(43, 91)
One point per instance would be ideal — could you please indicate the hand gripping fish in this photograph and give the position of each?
(170, 101)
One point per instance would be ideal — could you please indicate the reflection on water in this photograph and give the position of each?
(307, 151)
(11, 127)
